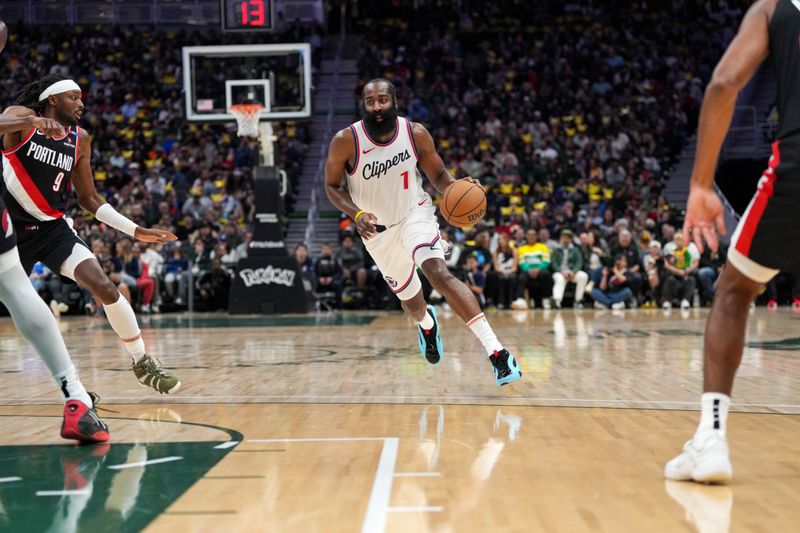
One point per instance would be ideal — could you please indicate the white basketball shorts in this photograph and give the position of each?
(399, 249)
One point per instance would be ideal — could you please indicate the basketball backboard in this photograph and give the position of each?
(277, 76)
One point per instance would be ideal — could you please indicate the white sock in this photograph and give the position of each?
(713, 415)
(71, 387)
(481, 328)
(123, 321)
(427, 322)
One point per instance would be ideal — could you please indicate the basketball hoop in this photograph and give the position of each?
(247, 116)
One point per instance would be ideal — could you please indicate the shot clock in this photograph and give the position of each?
(247, 15)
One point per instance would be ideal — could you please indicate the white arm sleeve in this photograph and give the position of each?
(108, 215)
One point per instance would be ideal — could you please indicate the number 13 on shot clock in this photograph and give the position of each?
(247, 15)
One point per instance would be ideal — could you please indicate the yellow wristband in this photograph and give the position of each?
(355, 218)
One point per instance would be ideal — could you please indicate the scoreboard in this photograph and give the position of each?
(247, 15)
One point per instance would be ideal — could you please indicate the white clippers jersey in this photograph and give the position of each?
(384, 181)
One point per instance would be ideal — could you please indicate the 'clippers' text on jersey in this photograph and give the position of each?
(384, 180)
(380, 168)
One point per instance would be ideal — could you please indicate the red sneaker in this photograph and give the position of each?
(82, 423)
(772, 305)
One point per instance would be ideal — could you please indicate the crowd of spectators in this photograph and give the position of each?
(572, 119)
(194, 179)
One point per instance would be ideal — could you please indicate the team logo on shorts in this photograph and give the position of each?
(391, 281)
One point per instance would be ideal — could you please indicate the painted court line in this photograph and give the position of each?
(81, 492)
(226, 445)
(146, 463)
(417, 474)
(10, 479)
(332, 439)
(417, 509)
(378, 506)
(400, 399)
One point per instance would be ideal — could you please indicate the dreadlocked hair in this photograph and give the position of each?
(29, 95)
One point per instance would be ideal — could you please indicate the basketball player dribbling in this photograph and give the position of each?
(758, 248)
(37, 166)
(396, 218)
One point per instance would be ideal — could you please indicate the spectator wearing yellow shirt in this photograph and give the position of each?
(533, 273)
(680, 263)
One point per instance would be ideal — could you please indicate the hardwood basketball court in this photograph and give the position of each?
(334, 422)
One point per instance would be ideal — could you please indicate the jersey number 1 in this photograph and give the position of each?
(57, 184)
(405, 179)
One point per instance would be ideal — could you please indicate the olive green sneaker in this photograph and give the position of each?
(150, 373)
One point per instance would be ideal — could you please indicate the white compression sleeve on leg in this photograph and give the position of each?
(36, 323)
(108, 215)
(123, 320)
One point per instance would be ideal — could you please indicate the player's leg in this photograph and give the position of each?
(705, 456)
(420, 237)
(82, 267)
(725, 329)
(400, 274)
(464, 303)
(35, 322)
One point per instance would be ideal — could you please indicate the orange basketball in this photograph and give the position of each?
(463, 204)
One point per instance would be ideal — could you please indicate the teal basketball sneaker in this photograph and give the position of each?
(430, 343)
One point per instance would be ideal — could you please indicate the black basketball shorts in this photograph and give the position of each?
(50, 242)
(767, 239)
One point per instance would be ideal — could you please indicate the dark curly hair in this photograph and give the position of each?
(29, 95)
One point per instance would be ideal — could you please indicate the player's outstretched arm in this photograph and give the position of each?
(342, 146)
(430, 162)
(17, 120)
(90, 200)
(704, 212)
(741, 60)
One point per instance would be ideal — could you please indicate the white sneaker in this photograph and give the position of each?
(546, 303)
(666, 306)
(617, 306)
(685, 304)
(598, 305)
(519, 303)
(706, 463)
(557, 304)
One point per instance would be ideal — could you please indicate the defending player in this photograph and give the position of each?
(36, 169)
(762, 244)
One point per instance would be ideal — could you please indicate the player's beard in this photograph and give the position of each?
(65, 118)
(377, 129)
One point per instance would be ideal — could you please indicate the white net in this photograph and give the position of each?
(247, 116)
